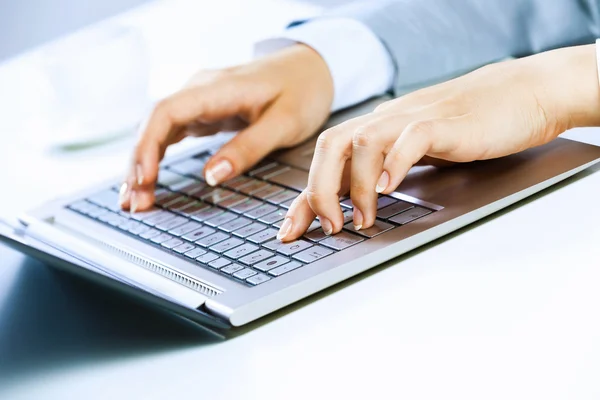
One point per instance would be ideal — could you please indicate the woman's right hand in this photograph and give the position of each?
(277, 101)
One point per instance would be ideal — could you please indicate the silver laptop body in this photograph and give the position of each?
(211, 256)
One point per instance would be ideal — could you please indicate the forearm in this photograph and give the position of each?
(433, 40)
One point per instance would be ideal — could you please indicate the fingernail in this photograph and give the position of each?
(285, 229)
(219, 172)
(358, 219)
(123, 193)
(139, 174)
(133, 202)
(326, 225)
(383, 182)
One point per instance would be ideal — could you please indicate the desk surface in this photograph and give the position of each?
(489, 312)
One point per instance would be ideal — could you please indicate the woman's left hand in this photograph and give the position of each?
(495, 111)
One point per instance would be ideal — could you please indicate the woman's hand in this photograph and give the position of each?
(277, 101)
(493, 112)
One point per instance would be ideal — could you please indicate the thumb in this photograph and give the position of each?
(275, 127)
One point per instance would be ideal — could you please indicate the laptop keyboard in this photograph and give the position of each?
(232, 228)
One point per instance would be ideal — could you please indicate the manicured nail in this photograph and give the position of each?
(219, 172)
(123, 193)
(358, 219)
(133, 202)
(383, 182)
(139, 174)
(285, 229)
(326, 225)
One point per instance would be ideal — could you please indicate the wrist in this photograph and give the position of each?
(574, 86)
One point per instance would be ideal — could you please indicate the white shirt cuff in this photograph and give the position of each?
(359, 63)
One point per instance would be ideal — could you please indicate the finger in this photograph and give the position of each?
(252, 144)
(332, 151)
(439, 138)
(368, 145)
(297, 219)
(215, 101)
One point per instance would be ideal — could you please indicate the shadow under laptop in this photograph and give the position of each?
(53, 320)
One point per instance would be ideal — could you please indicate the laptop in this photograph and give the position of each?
(210, 255)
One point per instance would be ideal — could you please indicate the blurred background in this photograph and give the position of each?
(29, 23)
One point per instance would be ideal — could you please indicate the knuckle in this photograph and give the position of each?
(384, 106)
(314, 198)
(329, 139)
(419, 130)
(362, 135)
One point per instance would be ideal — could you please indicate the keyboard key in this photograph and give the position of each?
(198, 233)
(347, 203)
(285, 268)
(313, 254)
(159, 218)
(316, 224)
(284, 196)
(142, 215)
(263, 236)
(258, 279)
(183, 184)
(287, 204)
(246, 206)
(255, 257)
(185, 228)
(233, 200)
(293, 178)
(263, 167)
(226, 245)
(182, 203)
(138, 228)
(150, 234)
(341, 241)
(394, 209)
(107, 199)
(191, 166)
(241, 251)
(410, 215)
(207, 257)
(238, 182)
(287, 249)
(221, 219)
(162, 197)
(249, 230)
(97, 212)
(316, 236)
(273, 245)
(197, 252)
(163, 237)
(261, 211)
(271, 263)
(167, 178)
(169, 244)
(235, 224)
(192, 208)
(253, 186)
(385, 201)
(207, 213)
(194, 188)
(217, 196)
(268, 191)
(348, 216)
(219, 263)
(212, 239)
(171, 224)
(271, 172)
(377, 229)
(82, 206)
(184, 248)
(233, 268)
(244, 274)
(273, 217)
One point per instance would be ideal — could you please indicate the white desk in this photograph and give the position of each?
(507, 309)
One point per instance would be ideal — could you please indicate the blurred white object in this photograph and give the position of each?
(99, 86)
